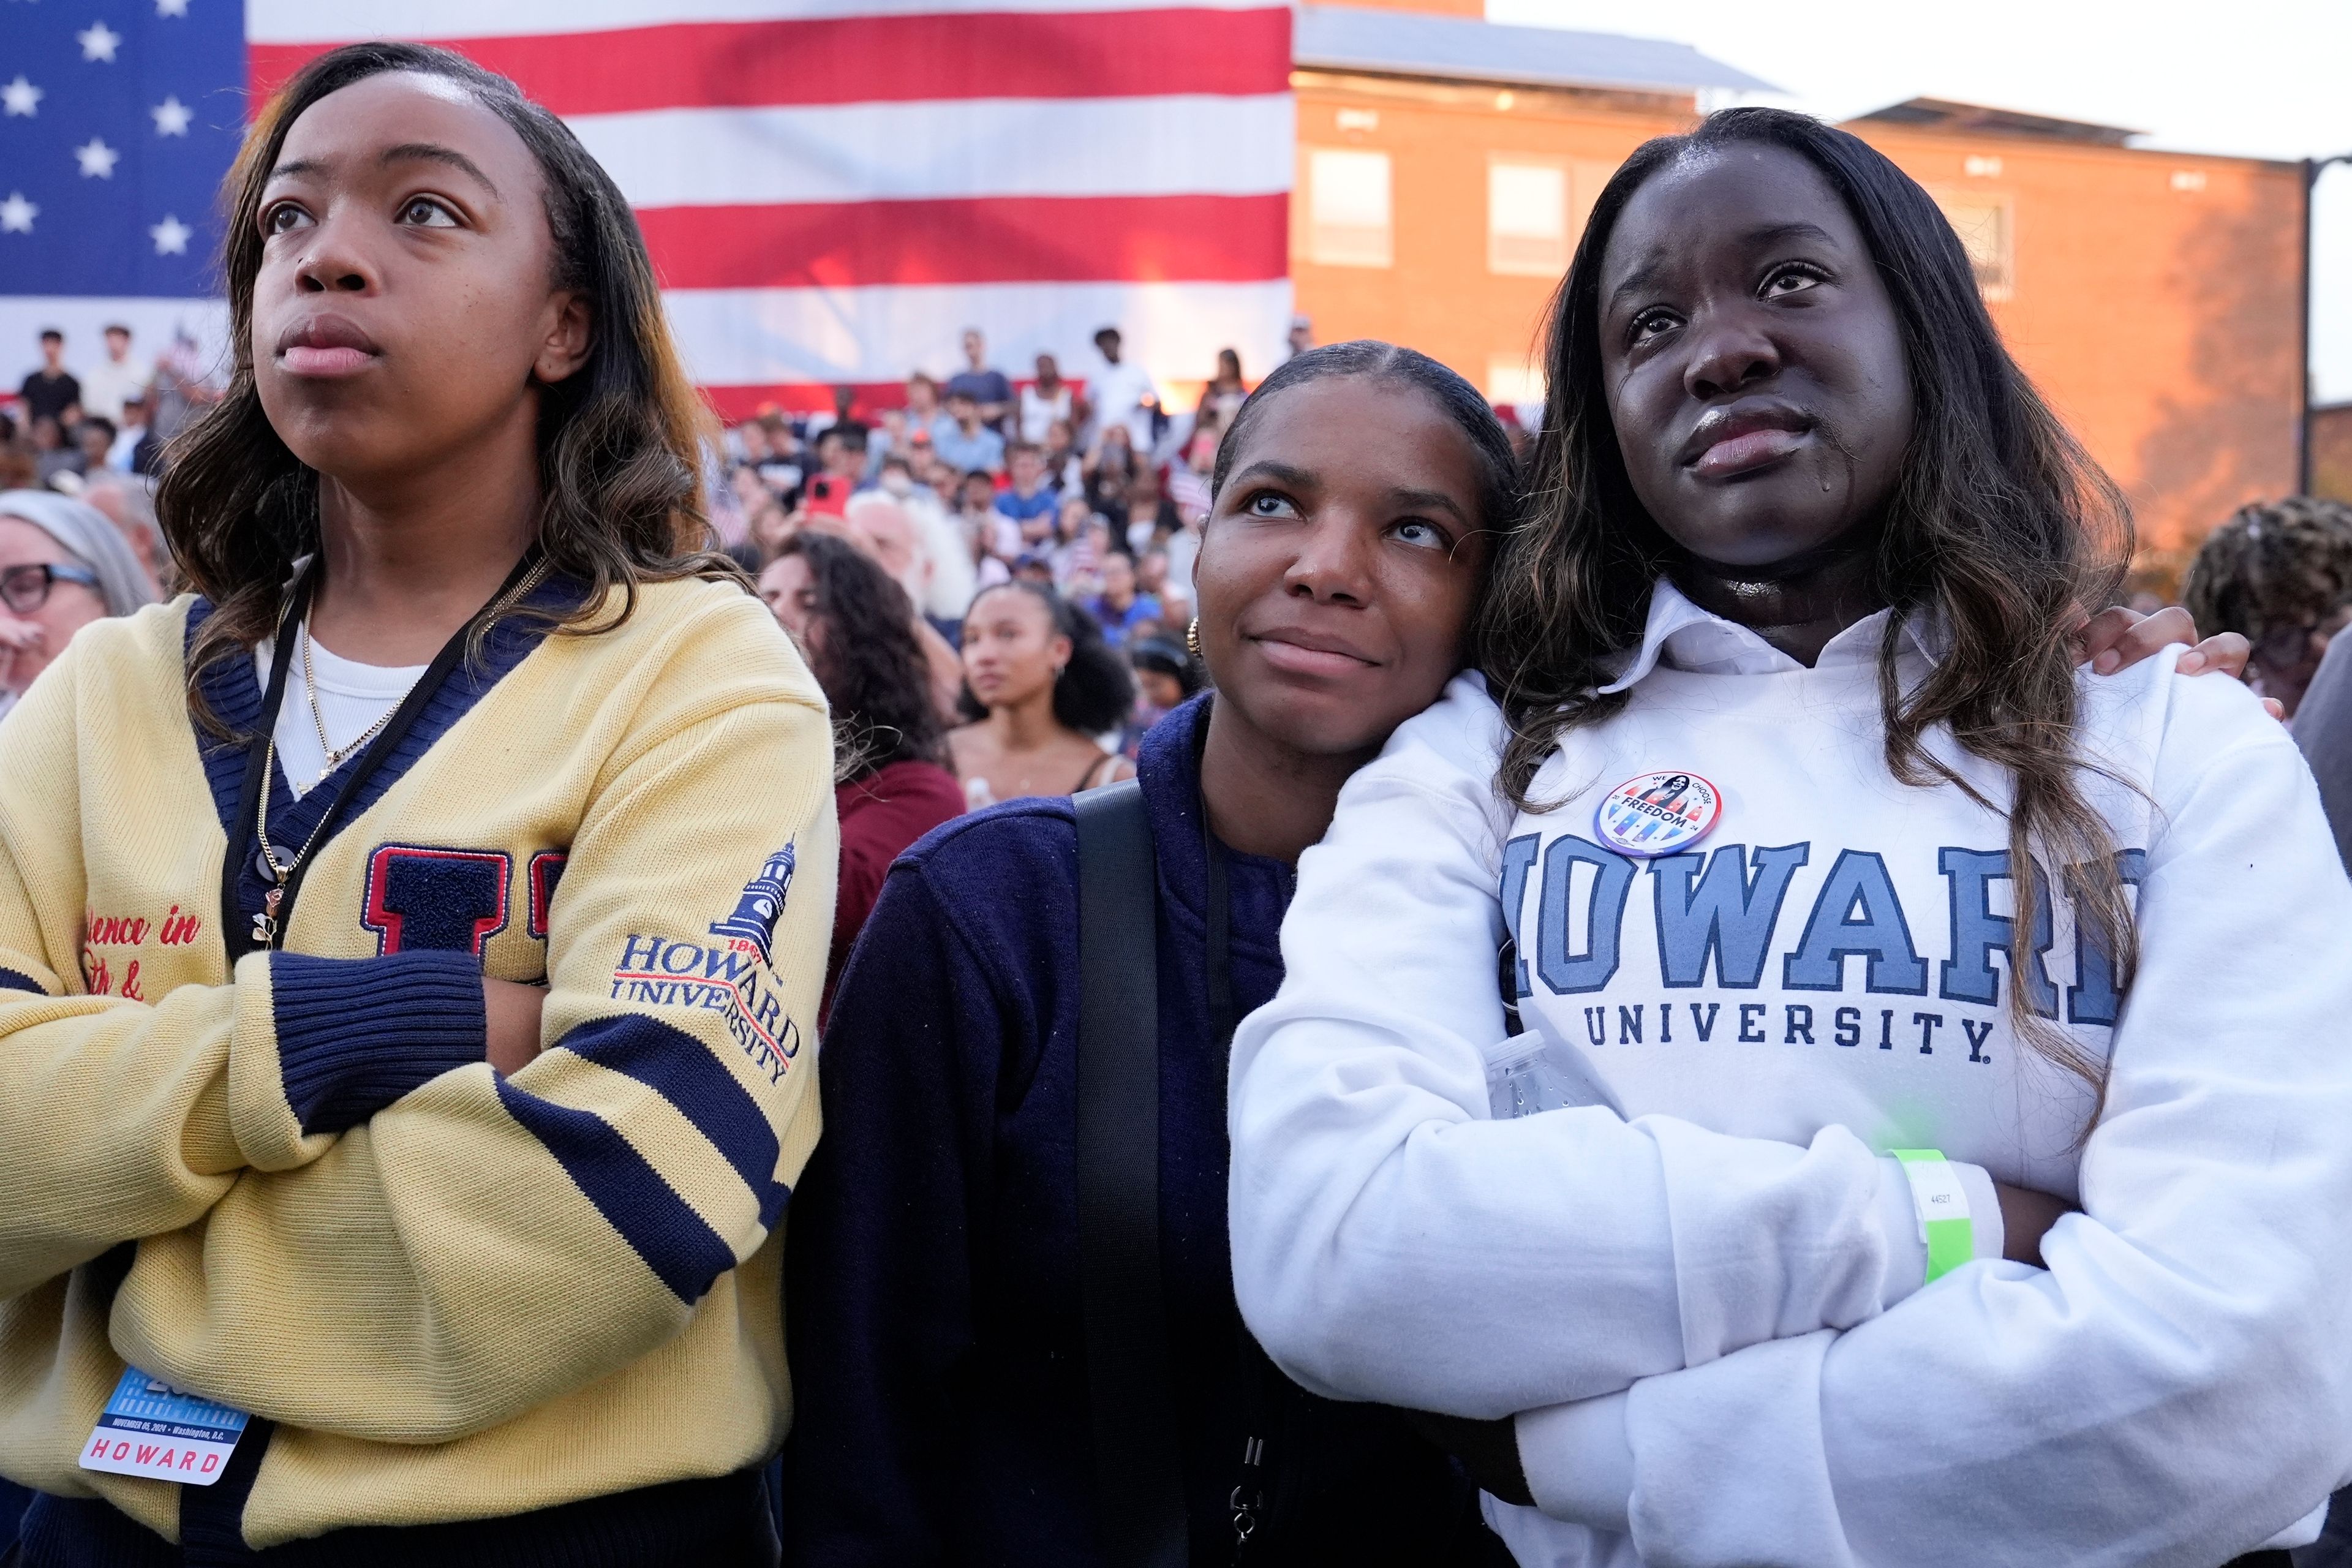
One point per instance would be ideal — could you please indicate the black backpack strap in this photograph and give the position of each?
(1139, 1474)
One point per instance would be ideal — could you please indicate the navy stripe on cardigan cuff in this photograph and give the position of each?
(356, 1034)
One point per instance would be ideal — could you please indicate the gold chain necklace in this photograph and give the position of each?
(265, 924)
(319, 722)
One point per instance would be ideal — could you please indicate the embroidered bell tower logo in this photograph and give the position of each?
(756, 912)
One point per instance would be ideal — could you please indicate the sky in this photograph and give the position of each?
(2272, 80)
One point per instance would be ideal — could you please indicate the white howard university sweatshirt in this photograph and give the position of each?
(1752, 1022)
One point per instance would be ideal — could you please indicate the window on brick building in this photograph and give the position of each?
(1349, 221)
(1987, 233)
(1536, 210)
(1527, 218)
(1515, 380)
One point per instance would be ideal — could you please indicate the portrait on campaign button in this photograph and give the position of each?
(1657, 813)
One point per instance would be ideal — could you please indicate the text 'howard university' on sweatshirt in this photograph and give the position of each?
(1749, 1024)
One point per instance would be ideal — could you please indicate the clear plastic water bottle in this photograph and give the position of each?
(1522, 1079)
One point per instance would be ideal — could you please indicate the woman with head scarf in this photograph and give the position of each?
(62, 565)
(127, 501)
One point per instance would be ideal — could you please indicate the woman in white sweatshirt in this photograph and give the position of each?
(1784, 695)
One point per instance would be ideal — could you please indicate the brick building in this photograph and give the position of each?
(2331, 451)
(1446, 164)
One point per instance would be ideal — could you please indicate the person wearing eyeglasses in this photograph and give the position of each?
(62, 565)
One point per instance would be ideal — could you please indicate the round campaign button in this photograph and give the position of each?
(1657, 814)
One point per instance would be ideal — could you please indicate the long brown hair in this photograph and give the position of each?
(620, 439)
(2000, 529)
(868, 661)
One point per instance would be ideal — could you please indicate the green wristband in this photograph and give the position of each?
(1942, 1205)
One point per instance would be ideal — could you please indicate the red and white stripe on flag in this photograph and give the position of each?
(833, 190)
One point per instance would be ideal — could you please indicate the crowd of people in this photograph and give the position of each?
(112, 415)
(1324, 1147)
(1023, 550)
(1094, 492)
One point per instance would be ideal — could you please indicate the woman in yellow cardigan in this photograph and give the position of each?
(410, 944)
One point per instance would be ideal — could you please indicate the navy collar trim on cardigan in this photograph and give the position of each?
(232, 688)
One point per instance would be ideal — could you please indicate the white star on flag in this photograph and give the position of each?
(172, 117)
(97, 43)
(96, 158)
(17, 214)
(21, 96)
(170, 7)
(170, 236)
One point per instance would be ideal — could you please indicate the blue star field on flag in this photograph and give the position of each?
(118, 119)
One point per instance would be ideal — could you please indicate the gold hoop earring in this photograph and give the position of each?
(1193, 637)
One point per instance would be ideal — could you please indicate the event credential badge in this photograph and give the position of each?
(151, 1429)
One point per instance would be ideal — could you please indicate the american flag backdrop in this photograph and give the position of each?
(832, 190)
(116, 121)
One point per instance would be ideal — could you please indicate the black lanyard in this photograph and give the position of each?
(1222, 1020)
(1247, 1499)
(236, 929)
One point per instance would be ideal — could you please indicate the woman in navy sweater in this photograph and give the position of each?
(940, 1386)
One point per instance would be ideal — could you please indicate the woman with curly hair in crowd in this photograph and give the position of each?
(2280, 573)
(62, 566)
(859, 631)
(1041, 684)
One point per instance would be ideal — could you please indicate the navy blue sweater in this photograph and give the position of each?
(932, 1292)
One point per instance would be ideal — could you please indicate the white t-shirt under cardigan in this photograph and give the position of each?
(1754, 1021)
(351, 696)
